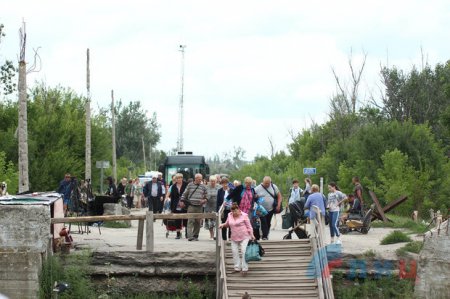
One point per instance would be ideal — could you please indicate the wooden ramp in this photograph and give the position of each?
(282, 272)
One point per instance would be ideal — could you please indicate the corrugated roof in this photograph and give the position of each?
(42, 198)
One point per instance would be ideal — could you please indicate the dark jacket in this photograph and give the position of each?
(221, 197)
(175, 195)
(65, 189)
(112, 190)
(236, 194)
(148, 189)
(120, 189)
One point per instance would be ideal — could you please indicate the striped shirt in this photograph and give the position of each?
(194, 194)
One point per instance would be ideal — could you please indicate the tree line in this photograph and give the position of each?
(397, 143)
(56, 135)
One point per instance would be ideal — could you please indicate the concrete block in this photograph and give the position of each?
(24, 227)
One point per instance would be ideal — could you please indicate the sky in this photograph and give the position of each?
(254, 70)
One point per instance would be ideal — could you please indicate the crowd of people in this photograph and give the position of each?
(248, 207)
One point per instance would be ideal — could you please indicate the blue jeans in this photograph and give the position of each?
(334, 219)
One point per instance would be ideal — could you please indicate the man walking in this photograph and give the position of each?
(194, 197)
(153, 191)
(272, 203)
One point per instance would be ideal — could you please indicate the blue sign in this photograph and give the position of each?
(309, 171)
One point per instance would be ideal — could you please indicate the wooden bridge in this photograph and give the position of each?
(282, 273)
(289, 269)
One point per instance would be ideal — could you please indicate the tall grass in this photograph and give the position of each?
(414, 247)
(395, 237)
(402, 222)
(71, 269)
(386, 287)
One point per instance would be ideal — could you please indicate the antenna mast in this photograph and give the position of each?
(180, 113)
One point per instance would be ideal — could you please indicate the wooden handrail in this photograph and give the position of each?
(320, 257)
(221, 271)
(147, 218)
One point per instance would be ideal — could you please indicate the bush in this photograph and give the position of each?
(369, 253)
(386, 287)
(414, 247)
(71, 269)
(402, 222)
(395, 237)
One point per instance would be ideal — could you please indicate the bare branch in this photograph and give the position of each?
(36, 62)
(338, 83)
(272, 147)
(23, 41)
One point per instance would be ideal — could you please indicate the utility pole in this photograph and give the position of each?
(180, 113)
(88, 121)
(143, 152)
(24, 184)
(113, 133)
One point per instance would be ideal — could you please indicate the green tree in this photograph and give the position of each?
(398, 178)
(56, 136)
(7, 72)
(9, 174)
(133, 128)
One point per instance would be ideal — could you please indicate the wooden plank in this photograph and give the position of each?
(292, 287)
(377, 204)
(256, 278)
(140, 235)
(185, 216)
(131, 217)
(392, 205)
(395, 203)
(96, 218)
(275, 292)
(150, 242)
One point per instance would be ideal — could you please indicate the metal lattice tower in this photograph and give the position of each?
(180, 112)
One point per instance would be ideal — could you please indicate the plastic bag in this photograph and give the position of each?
(252, 252)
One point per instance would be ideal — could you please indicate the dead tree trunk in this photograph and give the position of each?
(113, 133)
(88, 122)
(24, 184)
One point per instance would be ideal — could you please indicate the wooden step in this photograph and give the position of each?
(286, 292)
(262, 286)
(254, 278)
(272, 296)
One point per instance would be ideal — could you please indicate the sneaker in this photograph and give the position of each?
(191, 239)
(195, 239)
(338, 242)
(265, 239)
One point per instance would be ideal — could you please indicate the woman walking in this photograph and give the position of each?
(241, 233)
(175, 192)
(335, 199)
(137, 191)
(211, 205)
(221, 200)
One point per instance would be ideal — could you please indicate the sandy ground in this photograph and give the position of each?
(125, 239)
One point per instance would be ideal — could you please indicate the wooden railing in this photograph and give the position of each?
(148, 218)
(320, 256)
(221, 271)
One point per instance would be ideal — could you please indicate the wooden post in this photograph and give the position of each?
(140, 235)
(149, 232)
(377, 204)
(415, 216)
